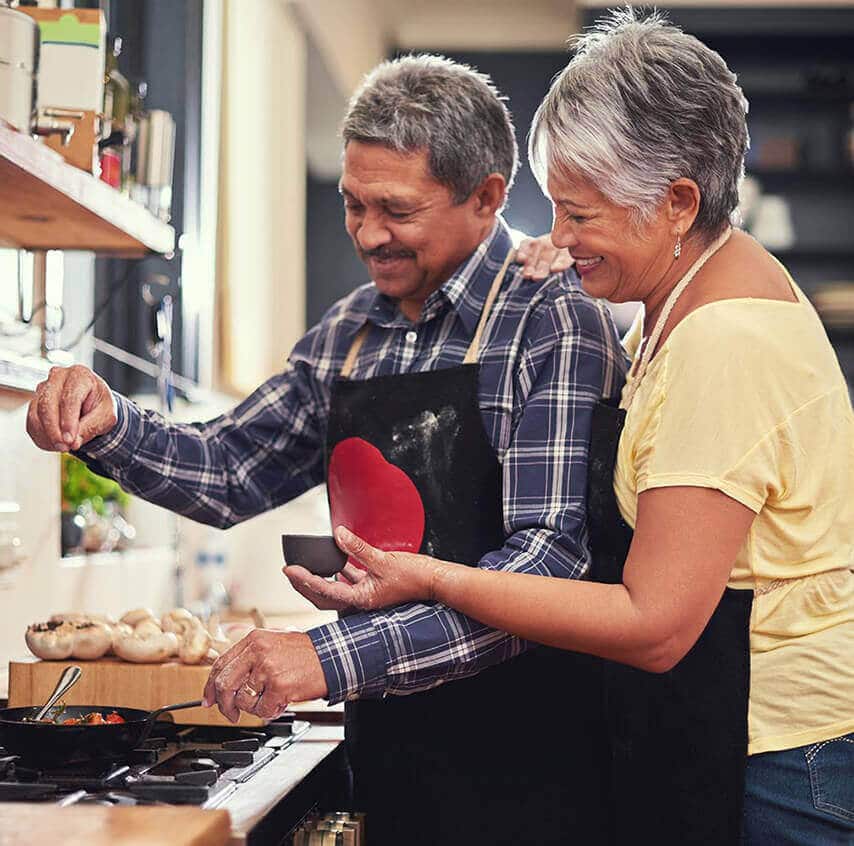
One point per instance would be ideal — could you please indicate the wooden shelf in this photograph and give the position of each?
(46, 204)
(22, 373)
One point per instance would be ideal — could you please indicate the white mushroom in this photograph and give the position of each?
(194, 639)
(146, 645)
(219, 642)
(119, 630)
(83, 617)
(91, 640)
(148, 628)
(194, 644)
(94, 633)
(53, 641)
(135, 617)
(176, 620)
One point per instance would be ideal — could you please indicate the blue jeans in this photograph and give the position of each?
(801, 797)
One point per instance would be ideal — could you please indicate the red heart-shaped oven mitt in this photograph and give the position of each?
(373, 498)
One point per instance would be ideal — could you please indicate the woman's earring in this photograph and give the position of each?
(677, 250)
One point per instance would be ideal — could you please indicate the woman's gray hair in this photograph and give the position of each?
(450, 110)
(640, 105)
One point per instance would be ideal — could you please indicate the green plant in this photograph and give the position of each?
(80, 484)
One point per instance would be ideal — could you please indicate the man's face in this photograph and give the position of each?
(404, 224)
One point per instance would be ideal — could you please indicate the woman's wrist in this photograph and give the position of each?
(440, 574)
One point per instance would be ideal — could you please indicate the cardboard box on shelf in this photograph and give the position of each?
(81, 149)
(71, 74)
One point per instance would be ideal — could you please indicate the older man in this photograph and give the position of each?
(448, 407)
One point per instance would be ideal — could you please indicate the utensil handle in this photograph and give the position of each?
(66, 681)
(196, 703)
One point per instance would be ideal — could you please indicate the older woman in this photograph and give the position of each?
(721, 492)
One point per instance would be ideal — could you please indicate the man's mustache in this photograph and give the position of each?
(384, 253)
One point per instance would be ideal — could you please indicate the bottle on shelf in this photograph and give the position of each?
(136, 113)
(114, 128)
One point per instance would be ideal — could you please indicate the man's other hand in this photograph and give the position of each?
(540, 258)
(70, 407)
(264, 672)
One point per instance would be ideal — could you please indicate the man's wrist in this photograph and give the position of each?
(353, 656)
(109, 445)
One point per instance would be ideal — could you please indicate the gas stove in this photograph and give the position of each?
(177, 765)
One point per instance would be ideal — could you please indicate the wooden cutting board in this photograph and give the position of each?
(95, 825)
(109, 681)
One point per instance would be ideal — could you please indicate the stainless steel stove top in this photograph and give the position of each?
(185, 765)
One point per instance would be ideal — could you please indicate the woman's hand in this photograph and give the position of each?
(264, 672)
(540, 258)
(389, 578)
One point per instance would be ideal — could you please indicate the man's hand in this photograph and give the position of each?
(264, 672)
(70, 407)
(540, 258)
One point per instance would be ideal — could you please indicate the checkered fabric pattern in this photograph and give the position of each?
(548, 354)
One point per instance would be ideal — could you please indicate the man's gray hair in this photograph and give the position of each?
(640, 105)
(450, 110)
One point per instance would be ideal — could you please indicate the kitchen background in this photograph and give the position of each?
(248, 94)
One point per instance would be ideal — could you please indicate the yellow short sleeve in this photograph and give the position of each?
(725, 405)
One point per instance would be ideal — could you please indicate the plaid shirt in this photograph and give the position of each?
(548, 354)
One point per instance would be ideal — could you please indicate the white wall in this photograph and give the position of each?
(46, 583)
(261, 234)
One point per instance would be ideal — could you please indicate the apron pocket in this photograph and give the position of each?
(831, 767)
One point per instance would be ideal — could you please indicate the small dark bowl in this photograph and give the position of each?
(319, 554)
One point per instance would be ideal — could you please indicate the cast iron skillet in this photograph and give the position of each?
(45, 743)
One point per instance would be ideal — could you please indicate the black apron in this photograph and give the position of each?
(511, 755)
(678, 740)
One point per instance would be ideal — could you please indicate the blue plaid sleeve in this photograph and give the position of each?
(571, 359)
(262, 453)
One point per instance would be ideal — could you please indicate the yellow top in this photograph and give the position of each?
(746, 396)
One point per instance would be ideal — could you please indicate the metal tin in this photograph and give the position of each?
(347, 830)
(19, 63)
(155, 149)
(155, 154)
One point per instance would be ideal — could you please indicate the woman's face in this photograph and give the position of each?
(614, 259)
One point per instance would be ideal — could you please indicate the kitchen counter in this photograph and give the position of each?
(283, 791)
(256, 805)
(94, 825)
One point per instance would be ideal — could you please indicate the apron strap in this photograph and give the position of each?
(471, 353)
(474, 347)
(648, 348)
(353, 352)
